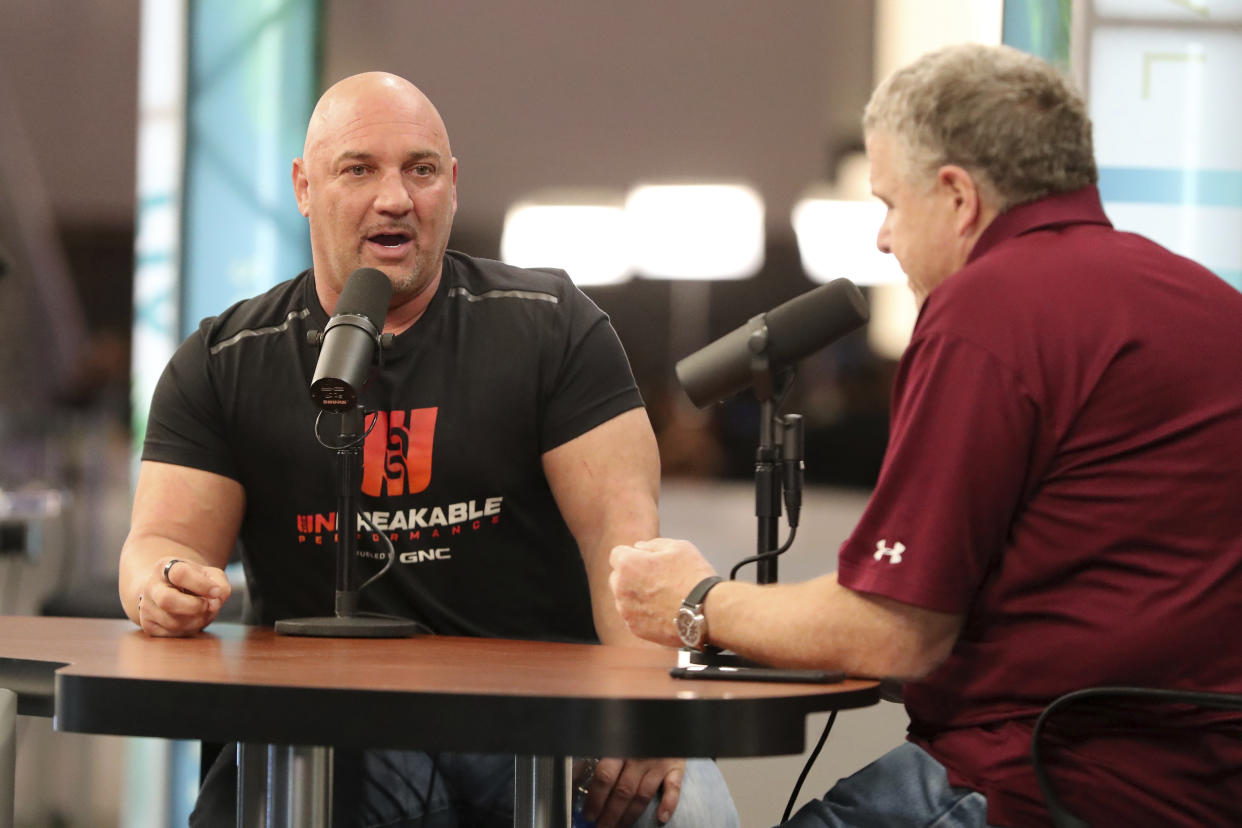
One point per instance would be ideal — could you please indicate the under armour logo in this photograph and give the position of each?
(893, 552)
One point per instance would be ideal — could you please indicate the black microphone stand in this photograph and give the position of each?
(778, 475)
(778, 460)
(767, 459)
(347, 621)
(349, 474)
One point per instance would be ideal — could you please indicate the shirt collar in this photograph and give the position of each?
(1057, 210)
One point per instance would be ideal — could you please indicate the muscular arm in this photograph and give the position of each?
(607, 483)
(816, 623)
(190, 515)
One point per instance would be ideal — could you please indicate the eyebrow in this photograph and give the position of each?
(414, 155)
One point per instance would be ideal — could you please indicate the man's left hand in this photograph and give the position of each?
(620, 790)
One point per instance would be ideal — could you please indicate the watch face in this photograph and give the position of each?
(690, 627)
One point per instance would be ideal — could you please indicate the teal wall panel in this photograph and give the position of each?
(251, 85)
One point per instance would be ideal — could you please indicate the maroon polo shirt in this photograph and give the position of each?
(1065, 469)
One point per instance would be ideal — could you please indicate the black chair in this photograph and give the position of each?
(1061, 816)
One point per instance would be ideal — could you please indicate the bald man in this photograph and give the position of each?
(509, 453)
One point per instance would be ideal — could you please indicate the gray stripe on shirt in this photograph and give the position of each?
(240, 335)
(503, 294)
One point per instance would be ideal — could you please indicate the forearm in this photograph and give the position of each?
(821, 624)
(190, 515)
(628, 523)
(607, 484)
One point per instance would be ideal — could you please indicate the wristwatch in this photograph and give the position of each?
(691, 623)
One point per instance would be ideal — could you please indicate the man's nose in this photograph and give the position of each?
(393, 198)
(881, 239)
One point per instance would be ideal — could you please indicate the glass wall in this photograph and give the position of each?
(1161, 78)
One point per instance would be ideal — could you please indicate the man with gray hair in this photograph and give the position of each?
(1057, 507)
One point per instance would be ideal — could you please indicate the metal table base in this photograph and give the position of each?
(300, 781)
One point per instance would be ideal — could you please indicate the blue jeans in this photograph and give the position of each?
(904, 787)
(409, 789)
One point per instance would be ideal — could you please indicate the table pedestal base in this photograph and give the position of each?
(284, 786)
(8, 757)
(539, 799)
(290, 786)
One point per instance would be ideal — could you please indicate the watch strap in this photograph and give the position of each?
(699, 593)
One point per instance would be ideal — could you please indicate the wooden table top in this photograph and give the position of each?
(427, 692)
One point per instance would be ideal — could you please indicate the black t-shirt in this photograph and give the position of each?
(504, 365)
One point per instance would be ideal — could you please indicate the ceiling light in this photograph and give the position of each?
(838, 239)
(586, 240)
(695, 231)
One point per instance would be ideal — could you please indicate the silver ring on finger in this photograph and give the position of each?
(169, 566)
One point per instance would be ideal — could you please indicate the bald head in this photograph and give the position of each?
(378, 183)
(354, 100)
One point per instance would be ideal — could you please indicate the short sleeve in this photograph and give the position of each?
(593, 381)
(185, 422)
(937, 522)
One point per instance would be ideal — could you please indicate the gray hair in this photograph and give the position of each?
(1001, 114)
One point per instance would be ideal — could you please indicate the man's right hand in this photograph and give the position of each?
(183, 603)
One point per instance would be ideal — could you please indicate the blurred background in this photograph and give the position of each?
(145, 148)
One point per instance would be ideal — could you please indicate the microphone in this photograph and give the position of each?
(350, 339)
(785, 334)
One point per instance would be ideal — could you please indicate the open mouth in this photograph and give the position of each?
(389, 240)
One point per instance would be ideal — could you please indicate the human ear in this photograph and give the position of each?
(960, 187)
(301, 186)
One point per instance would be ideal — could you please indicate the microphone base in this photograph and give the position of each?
(351, 626)
(717, 658)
